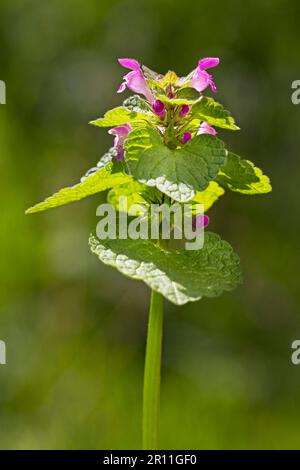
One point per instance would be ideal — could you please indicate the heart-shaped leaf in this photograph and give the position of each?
(179, 173)
(181, 276)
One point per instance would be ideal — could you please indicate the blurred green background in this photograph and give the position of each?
(75, 329)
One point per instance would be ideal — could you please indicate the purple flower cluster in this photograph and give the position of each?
(135, 81)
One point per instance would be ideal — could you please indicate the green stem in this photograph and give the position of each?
(151, 398)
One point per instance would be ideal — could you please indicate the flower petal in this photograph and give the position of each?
(212, 85)
(120, 130)
(122, 87)
(208, 63)
(200, 80)
(136, 82)
(120, 133)
(131, 64)
(205, 128)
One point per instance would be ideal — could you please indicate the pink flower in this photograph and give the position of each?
(120, 133)
(184, 110)
(201, 79)
(186, 137)
(201, 221)
(135, 80)
(159, 108)
(205, 128)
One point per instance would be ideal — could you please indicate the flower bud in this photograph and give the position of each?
(201, 221)
(184, 110)
(159, 108)
(186, 137)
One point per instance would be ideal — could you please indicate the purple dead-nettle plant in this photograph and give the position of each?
(166, 151)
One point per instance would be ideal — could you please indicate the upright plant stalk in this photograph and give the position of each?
(151, 395)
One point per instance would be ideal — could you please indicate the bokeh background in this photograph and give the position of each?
(75, 329)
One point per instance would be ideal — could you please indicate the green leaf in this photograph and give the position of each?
(133, 192)
(174, 101)
(209, 196)
(208, 110)
(137, 104)
(181, 276)
(179, 173)
(188, 93)
(108, 173)
(242, 176)
(121, 115)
